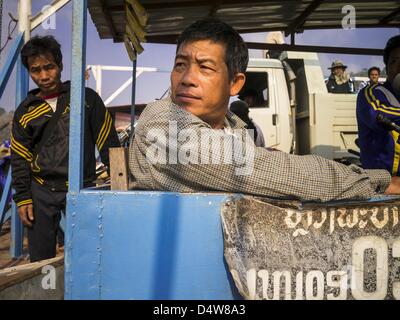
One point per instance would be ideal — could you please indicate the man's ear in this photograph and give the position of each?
(237, 83)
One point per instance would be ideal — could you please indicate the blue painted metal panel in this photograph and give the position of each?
(146, 245)
(81, 245)
(75, 168)
(10, 62)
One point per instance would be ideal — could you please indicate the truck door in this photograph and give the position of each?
(261, 100)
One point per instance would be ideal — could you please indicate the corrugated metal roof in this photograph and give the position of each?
(168, 18)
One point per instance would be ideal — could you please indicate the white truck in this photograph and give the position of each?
(325, 123)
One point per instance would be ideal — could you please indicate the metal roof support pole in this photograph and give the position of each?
(24, 15)
(133, 96)
(24, 18)
(75, 169)
(10, 62)
(99, 80)
(1, 21)
(17, 229)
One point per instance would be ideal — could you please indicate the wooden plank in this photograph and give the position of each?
(31, 281)
(119, 169)
(13, 275)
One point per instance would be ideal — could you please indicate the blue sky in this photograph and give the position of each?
(151, 86)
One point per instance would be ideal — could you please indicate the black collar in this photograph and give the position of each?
(32, 97)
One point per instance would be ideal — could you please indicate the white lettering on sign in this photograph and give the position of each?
(396, 254)
(317, 277)
(288, 284)
(302, 221)
(357, 284)
(336, 281)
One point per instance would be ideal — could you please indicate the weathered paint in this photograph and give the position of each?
(334, 251)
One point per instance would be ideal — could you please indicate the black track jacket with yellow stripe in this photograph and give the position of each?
(50, 166)
(379, 146)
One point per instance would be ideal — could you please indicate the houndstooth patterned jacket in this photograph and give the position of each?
(174, 150)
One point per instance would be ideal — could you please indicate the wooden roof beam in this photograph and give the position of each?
(215, 8)
(320, 49)
(390, 17)
(187, 4)
(109, 20)
(301, 19)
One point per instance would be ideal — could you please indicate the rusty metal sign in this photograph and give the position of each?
(286, 250)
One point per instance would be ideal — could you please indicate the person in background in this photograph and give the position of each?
(39, 145)
(379, 143)
(241, 109)
(373, 77)
(250, 97)
(339, 81)
(209, 68)
(373, 74)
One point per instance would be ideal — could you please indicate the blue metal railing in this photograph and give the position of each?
(77, 115)
(17, 230)
(10, 62)
(5, 212)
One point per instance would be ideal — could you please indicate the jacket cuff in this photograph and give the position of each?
(24, 202)
(380, 179)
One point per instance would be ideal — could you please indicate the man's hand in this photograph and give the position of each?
(26, 214)
(394, 186)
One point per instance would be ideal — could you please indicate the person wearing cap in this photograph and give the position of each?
(241, 109)
(379, 143)
(339, 81)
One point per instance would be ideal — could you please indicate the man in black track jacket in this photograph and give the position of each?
(39, 145)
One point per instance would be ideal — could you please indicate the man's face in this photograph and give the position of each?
(338, 71)
(374, 76)
(393, 67)
(200, 83)
(45, 73)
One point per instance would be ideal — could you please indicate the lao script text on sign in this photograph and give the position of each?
(343, 252)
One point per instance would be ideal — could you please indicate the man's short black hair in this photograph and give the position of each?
(240, 108)
(37, 46)
(372, 69)
(215, 30)
(393, 43)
